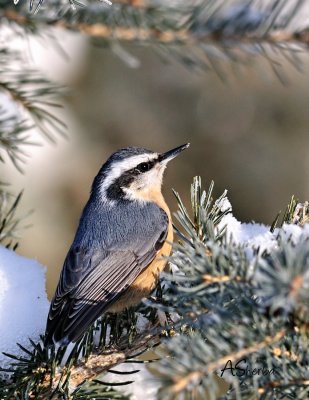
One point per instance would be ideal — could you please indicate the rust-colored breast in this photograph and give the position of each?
(147, 280)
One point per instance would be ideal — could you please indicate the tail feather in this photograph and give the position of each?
(60, 330)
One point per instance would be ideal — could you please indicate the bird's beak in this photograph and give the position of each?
(164, 158)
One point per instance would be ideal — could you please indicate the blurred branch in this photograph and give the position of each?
(199, 33)
(9, 223)
(273, 385)
(11, 141)
(26, 100)
(144, 22)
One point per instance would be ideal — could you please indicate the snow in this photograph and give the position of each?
(23, 302)
(224, 204)
(294, 232)
(253, 235)
(258, 236)
(10, 113)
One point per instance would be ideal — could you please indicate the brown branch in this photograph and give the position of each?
(101, 31)
(209, 279)
(276, 384)
(195, 376)
(296, 285)
(269, 340)
(181, 36)
(132, 3)
(101, 361)
(183, 382)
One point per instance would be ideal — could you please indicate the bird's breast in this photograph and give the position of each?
(148, 279)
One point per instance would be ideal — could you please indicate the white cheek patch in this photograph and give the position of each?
(118, 168)
(148, 181)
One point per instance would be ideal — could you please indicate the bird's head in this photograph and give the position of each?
(132, 173)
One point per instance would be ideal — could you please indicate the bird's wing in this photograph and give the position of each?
(92, 280)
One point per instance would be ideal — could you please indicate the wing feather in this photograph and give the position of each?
(92, 279)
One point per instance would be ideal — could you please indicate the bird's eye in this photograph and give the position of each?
(144, 167)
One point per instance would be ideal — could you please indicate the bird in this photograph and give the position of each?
(121, 245)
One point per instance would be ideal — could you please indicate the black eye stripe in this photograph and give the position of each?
(145, 166)
(115, 190)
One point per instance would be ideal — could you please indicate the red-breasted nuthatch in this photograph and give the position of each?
(120, 247)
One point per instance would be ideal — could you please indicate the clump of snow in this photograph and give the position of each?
(248, 234)
(293, 231)
(224, 204)
(257, 236)
(252, 235)
(23, 303)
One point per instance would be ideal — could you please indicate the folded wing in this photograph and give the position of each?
(92, 279)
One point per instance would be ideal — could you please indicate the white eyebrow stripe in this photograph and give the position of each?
(119, 167)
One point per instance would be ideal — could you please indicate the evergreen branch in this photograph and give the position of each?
(295, 213)
(190, 363)
(9, 223)
(228, 304)
(255, 347)
(198, 34)
(290, 378)
(99, 362)
(34, 94)
(31, 96)
(12, 139)
(100, 23)
(282, 278)
(196, 376)
(291, 214)
(301, 214)
(274, 385)
(233, 303)
(207, 214)
(43, 373)
(210, 279)
(98, 391)
(181, 37)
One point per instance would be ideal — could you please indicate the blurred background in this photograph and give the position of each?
(249, 134)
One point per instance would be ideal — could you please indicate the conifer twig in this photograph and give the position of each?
(102, 361)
